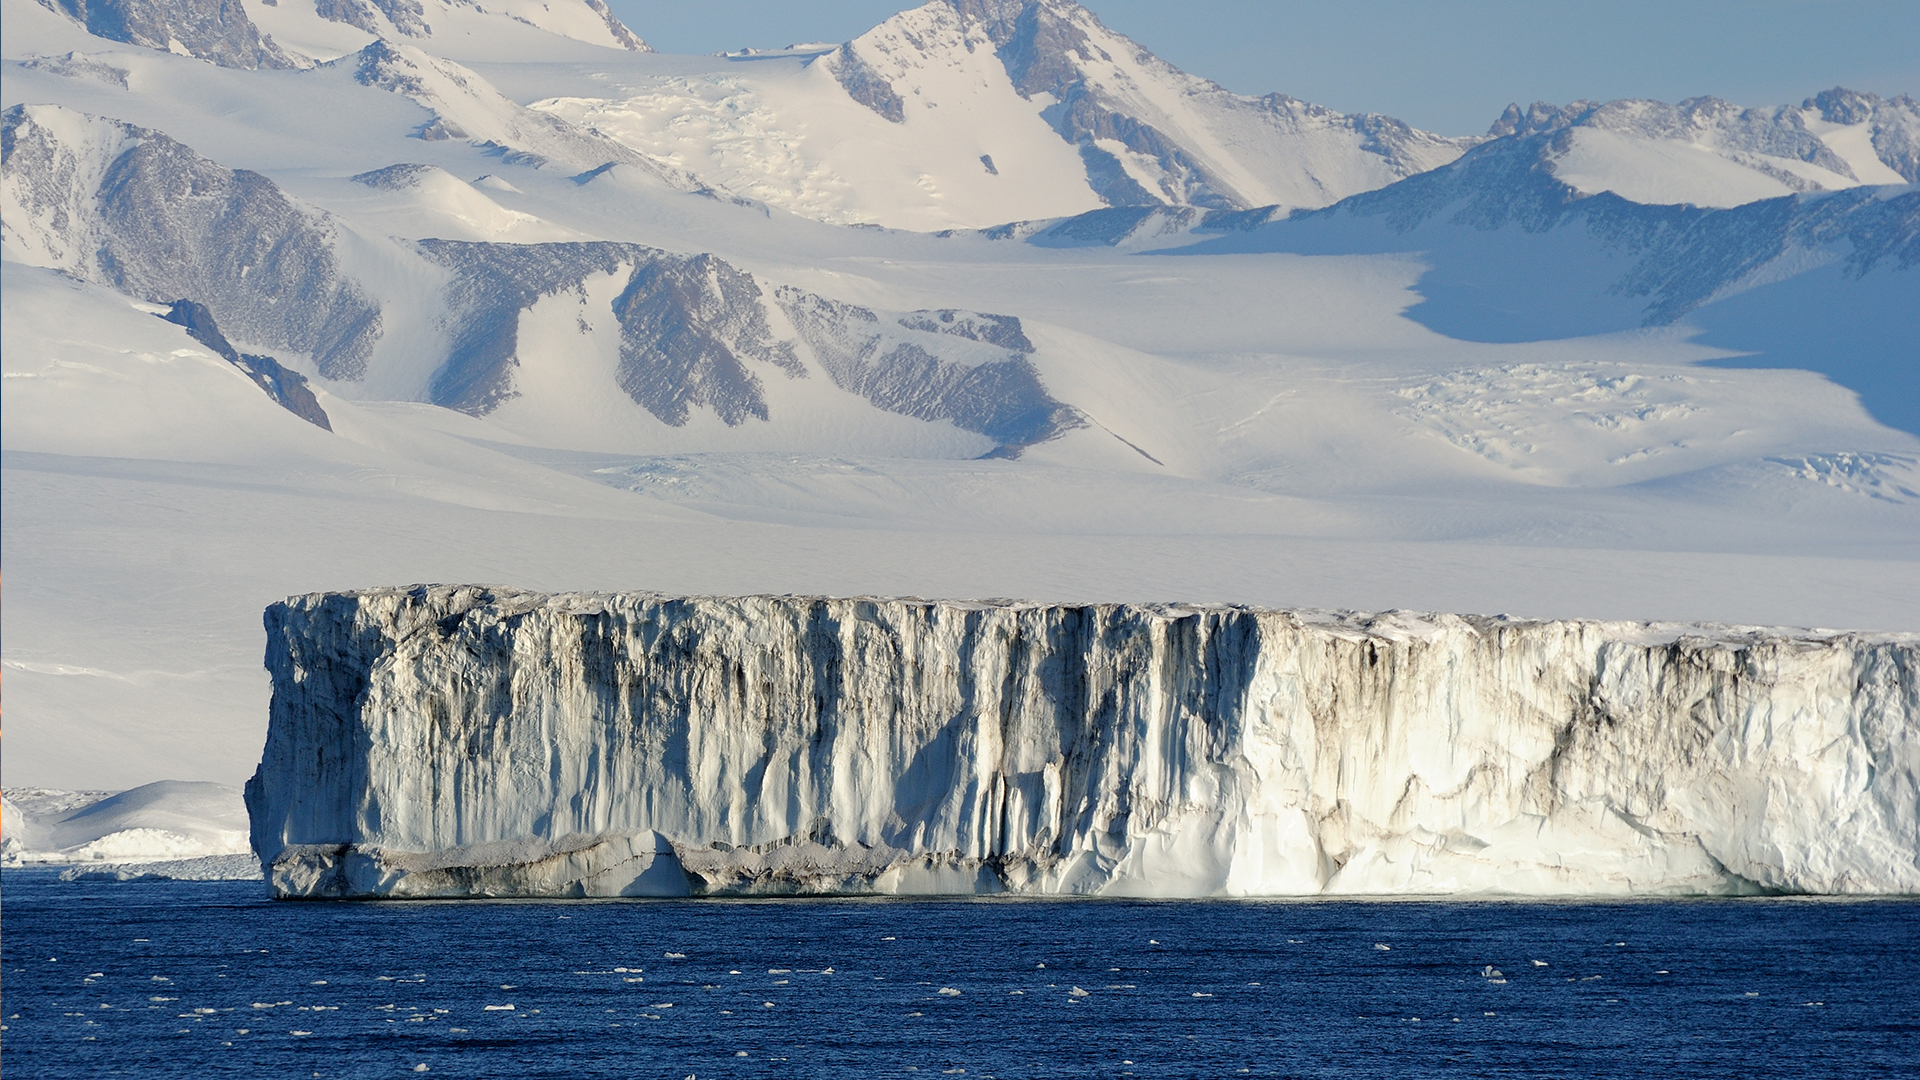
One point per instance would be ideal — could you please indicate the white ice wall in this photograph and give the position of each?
(455, 740)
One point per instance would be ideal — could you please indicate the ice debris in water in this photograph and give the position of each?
(1077, 992)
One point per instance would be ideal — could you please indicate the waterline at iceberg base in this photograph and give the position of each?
(480, 741)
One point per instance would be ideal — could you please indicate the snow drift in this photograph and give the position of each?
(460, 740)
(168, 820)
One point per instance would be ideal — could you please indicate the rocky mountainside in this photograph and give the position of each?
(135, 210)
(1147, 132)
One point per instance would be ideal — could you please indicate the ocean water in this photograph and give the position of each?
(207, 979)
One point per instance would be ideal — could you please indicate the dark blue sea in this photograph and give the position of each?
(192, 979)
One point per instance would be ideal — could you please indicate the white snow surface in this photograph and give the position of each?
(1665, 171)
(548, 745)
(162, 821)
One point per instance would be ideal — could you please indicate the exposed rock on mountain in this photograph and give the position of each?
(129, 207)
(909, 364)
(405, 16)
(287, 388)
(688, 325)
(216, 30)
(1653, 152)
(1147, 132)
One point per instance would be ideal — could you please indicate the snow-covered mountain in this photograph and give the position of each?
(967, 113)
(1709, 152)
(1515, 251)
(242, 34)
(581, 316)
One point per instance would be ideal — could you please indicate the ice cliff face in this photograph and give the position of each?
(453, 740)
(130, 208)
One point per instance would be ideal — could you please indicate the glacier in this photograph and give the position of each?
(458, 740)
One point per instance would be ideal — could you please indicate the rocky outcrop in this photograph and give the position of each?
(489, 741)
(689, 324)
(286, 387)
(216, 30)
(130, 208)
(911, 364)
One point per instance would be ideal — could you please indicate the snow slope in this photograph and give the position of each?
(803, 744)
(167, 820)
(1708, 152)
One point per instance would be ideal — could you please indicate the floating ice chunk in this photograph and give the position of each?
(1490, 972)
(779, 971)
(1077, 992)
(1541, 963)
(948, 991)
(498, 1008)
(1383, 948)
(661, 1005)
(422, 1067)
(1197, 993)
(741, 1053)
(675, 955)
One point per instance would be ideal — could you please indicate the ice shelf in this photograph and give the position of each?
(484, 741)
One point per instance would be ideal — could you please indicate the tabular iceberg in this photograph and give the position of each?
(475, 741)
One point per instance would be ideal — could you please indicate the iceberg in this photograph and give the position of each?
(455, 740)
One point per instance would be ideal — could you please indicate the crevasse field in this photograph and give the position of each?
(988, 302)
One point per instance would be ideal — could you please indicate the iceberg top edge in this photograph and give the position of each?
(1392, 624)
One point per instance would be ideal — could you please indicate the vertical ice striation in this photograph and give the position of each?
(461, 740)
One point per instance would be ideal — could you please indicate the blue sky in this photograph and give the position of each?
(1445, 65)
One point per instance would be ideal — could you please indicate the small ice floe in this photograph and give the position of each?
(634, 979)
(1541, 963)
(779, 971)
(422, 1067)
(767, 1004)
(1077, 992)
(826, 971)
(318, 982)
(947, 991)
(1197, 993)
(497, 1008)
(741, 1053)
(889, 939)
(1019, 993)
(299, 1034)
(509, 986)
(675, 955)
(1383, 948)
(1753, 993)
(1152, 941)
(1490, 972)
(661, 1005)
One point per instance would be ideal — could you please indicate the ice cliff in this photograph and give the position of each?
(461, 740)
